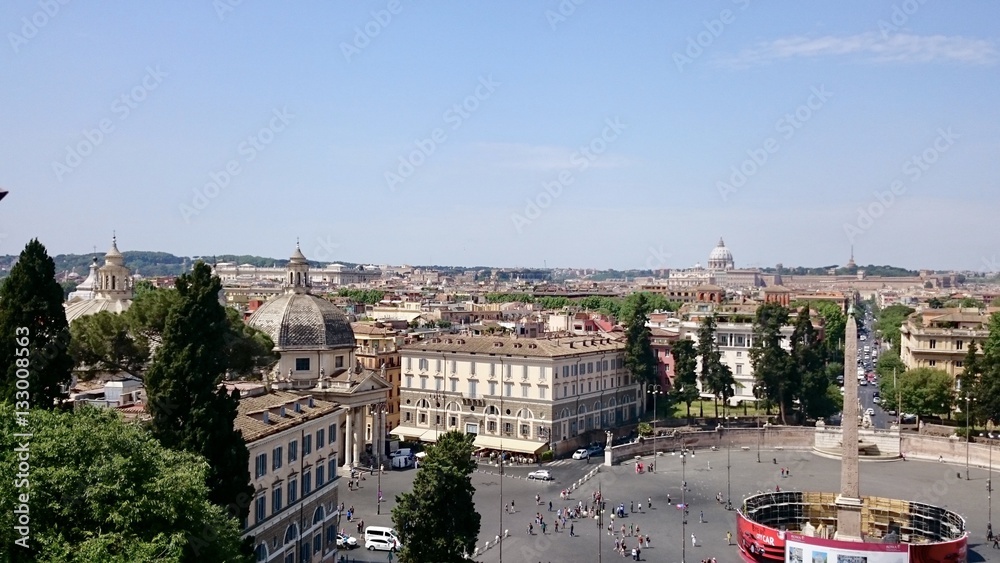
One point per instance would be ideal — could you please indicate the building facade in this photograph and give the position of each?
(293, 442)
(940, 338)
(517, 394)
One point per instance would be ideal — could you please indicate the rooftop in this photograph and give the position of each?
(534, 347)
(254, 411)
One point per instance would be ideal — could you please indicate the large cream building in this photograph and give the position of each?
(939, 338)
(294, 442)
(517, 394)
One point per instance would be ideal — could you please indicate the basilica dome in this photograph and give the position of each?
(298, 320)
(720, 258)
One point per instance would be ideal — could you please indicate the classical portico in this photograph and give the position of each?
(363, 394)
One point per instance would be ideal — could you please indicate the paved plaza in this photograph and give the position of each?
(706, 475)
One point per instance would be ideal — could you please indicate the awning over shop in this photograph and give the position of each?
(407, 432)
(508, 444)
(431, 436)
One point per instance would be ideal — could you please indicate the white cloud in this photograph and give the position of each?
(523, 156)
(871, 47)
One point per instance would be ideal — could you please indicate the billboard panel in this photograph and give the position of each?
(758, 543)
(805, 549)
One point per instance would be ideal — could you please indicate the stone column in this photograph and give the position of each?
(348, 440)
(355, 457)
(849, 500)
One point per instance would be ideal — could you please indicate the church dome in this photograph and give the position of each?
(303, 321)
(720, 258)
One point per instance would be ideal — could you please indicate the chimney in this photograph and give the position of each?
(265, 418)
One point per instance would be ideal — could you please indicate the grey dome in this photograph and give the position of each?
(303, 321)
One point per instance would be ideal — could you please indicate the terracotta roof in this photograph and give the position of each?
(537, 347)
(249, 418)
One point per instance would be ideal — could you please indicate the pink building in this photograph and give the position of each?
(661, 341)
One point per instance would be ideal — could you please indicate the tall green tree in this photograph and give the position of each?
(190, 410)
(103, 342)
(772, 368)
(685, 388)
(103, 490)
(808, 373)
(640, 359)
(34, 334)
(987, 365)
(716, 377)
(437, 519)
(926, 391)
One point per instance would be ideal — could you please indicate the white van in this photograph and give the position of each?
(382, 534)
(404, 452)
(401, 462)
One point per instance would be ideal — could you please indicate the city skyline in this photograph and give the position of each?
(559, 134)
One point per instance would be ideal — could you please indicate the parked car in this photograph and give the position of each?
(581, 454)
(345, 541)
(870, 411)
(540, 474)
(595, 449)
(381, 544)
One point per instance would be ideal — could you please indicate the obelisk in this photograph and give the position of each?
(849, 500)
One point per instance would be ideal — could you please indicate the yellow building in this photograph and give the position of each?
(939, 338)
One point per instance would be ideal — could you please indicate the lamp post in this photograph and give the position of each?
(729, 458)
(684, 503)
(378, 411)
(968, 434)
(654, 390)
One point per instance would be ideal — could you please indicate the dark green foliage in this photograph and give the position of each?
(437, 520)
(102, 342)
(888, 321)
(32, 319)
(772, 365)
(808, 372)
(685, 373)
(103, 490)
(716, 377)
(190, 411)
(985, 379)
(640, 359)
(926, 391)
(366, 296)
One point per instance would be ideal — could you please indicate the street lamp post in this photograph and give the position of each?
(683, 504)
(729, 464)
(968, 434)
(654, 390)
(378, 411)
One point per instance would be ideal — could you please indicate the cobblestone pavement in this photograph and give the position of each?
(706, 476)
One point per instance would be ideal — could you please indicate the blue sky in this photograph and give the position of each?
(589, 134)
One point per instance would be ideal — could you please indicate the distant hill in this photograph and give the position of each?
(870, 270)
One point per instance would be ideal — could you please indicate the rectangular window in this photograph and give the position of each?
(508, 389)
(423, 417)
(423, 382)
(493, 388)
(452, 421)
(472, 368)
(493, 369)
(472, 389)
(565, 371)
(541, 393)
(293, 451)
(576, 370)
(261, 465)
(438, 384)
(507, 370)
(437, 365)
(320, 439)
(932, 363)
(331, 535)
(471, 428)
(739, 369)
(491, 426)
(338, 362)
(307, 482)
(408, 416)
(317, 543)
(276, 458)
(331, 468)
(932, 344)
(261, 508)
(293, 491)
(525, 430)
(332, 433)
(958, 344)
(301, 364)
(454, 386)
(454, 366)
(524, 391)
(590, 367)
(276, 499)
(508, 427)
(958, 363)
(409, 381)
(307, 445)
(320, 475)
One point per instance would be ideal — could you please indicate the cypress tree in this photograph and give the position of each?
(32, 318)
(190, 411)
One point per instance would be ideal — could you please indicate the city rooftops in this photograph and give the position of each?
(264, 415)
(503, 346)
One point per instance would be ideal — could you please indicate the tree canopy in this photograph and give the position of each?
(982, 374)
(772, 369)
(437, 519)
(716, 377)
(888, 321)
(640, 359)
(366, 296)
(685, 373)
(923, 391)
(190, 410)
(104, 490)
(34, 332)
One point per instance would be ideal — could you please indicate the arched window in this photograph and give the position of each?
(597, 406)
(319, 515)
(261, 552)
(525, 414)
(423, 404)
(291, 533)
(564, 414)
(492, 410)
(582, 411)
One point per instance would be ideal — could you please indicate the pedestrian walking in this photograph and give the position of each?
(701, 517)
(531, 528)
(512, 506)
(647, 541)
(729, 538)
(996, 542)
(571, 530)
(631, 506)
(694, 541)
(649, 502)
(640, 507)
(550, 506)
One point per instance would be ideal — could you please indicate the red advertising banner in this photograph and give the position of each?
(758, 543)
(955, 551)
